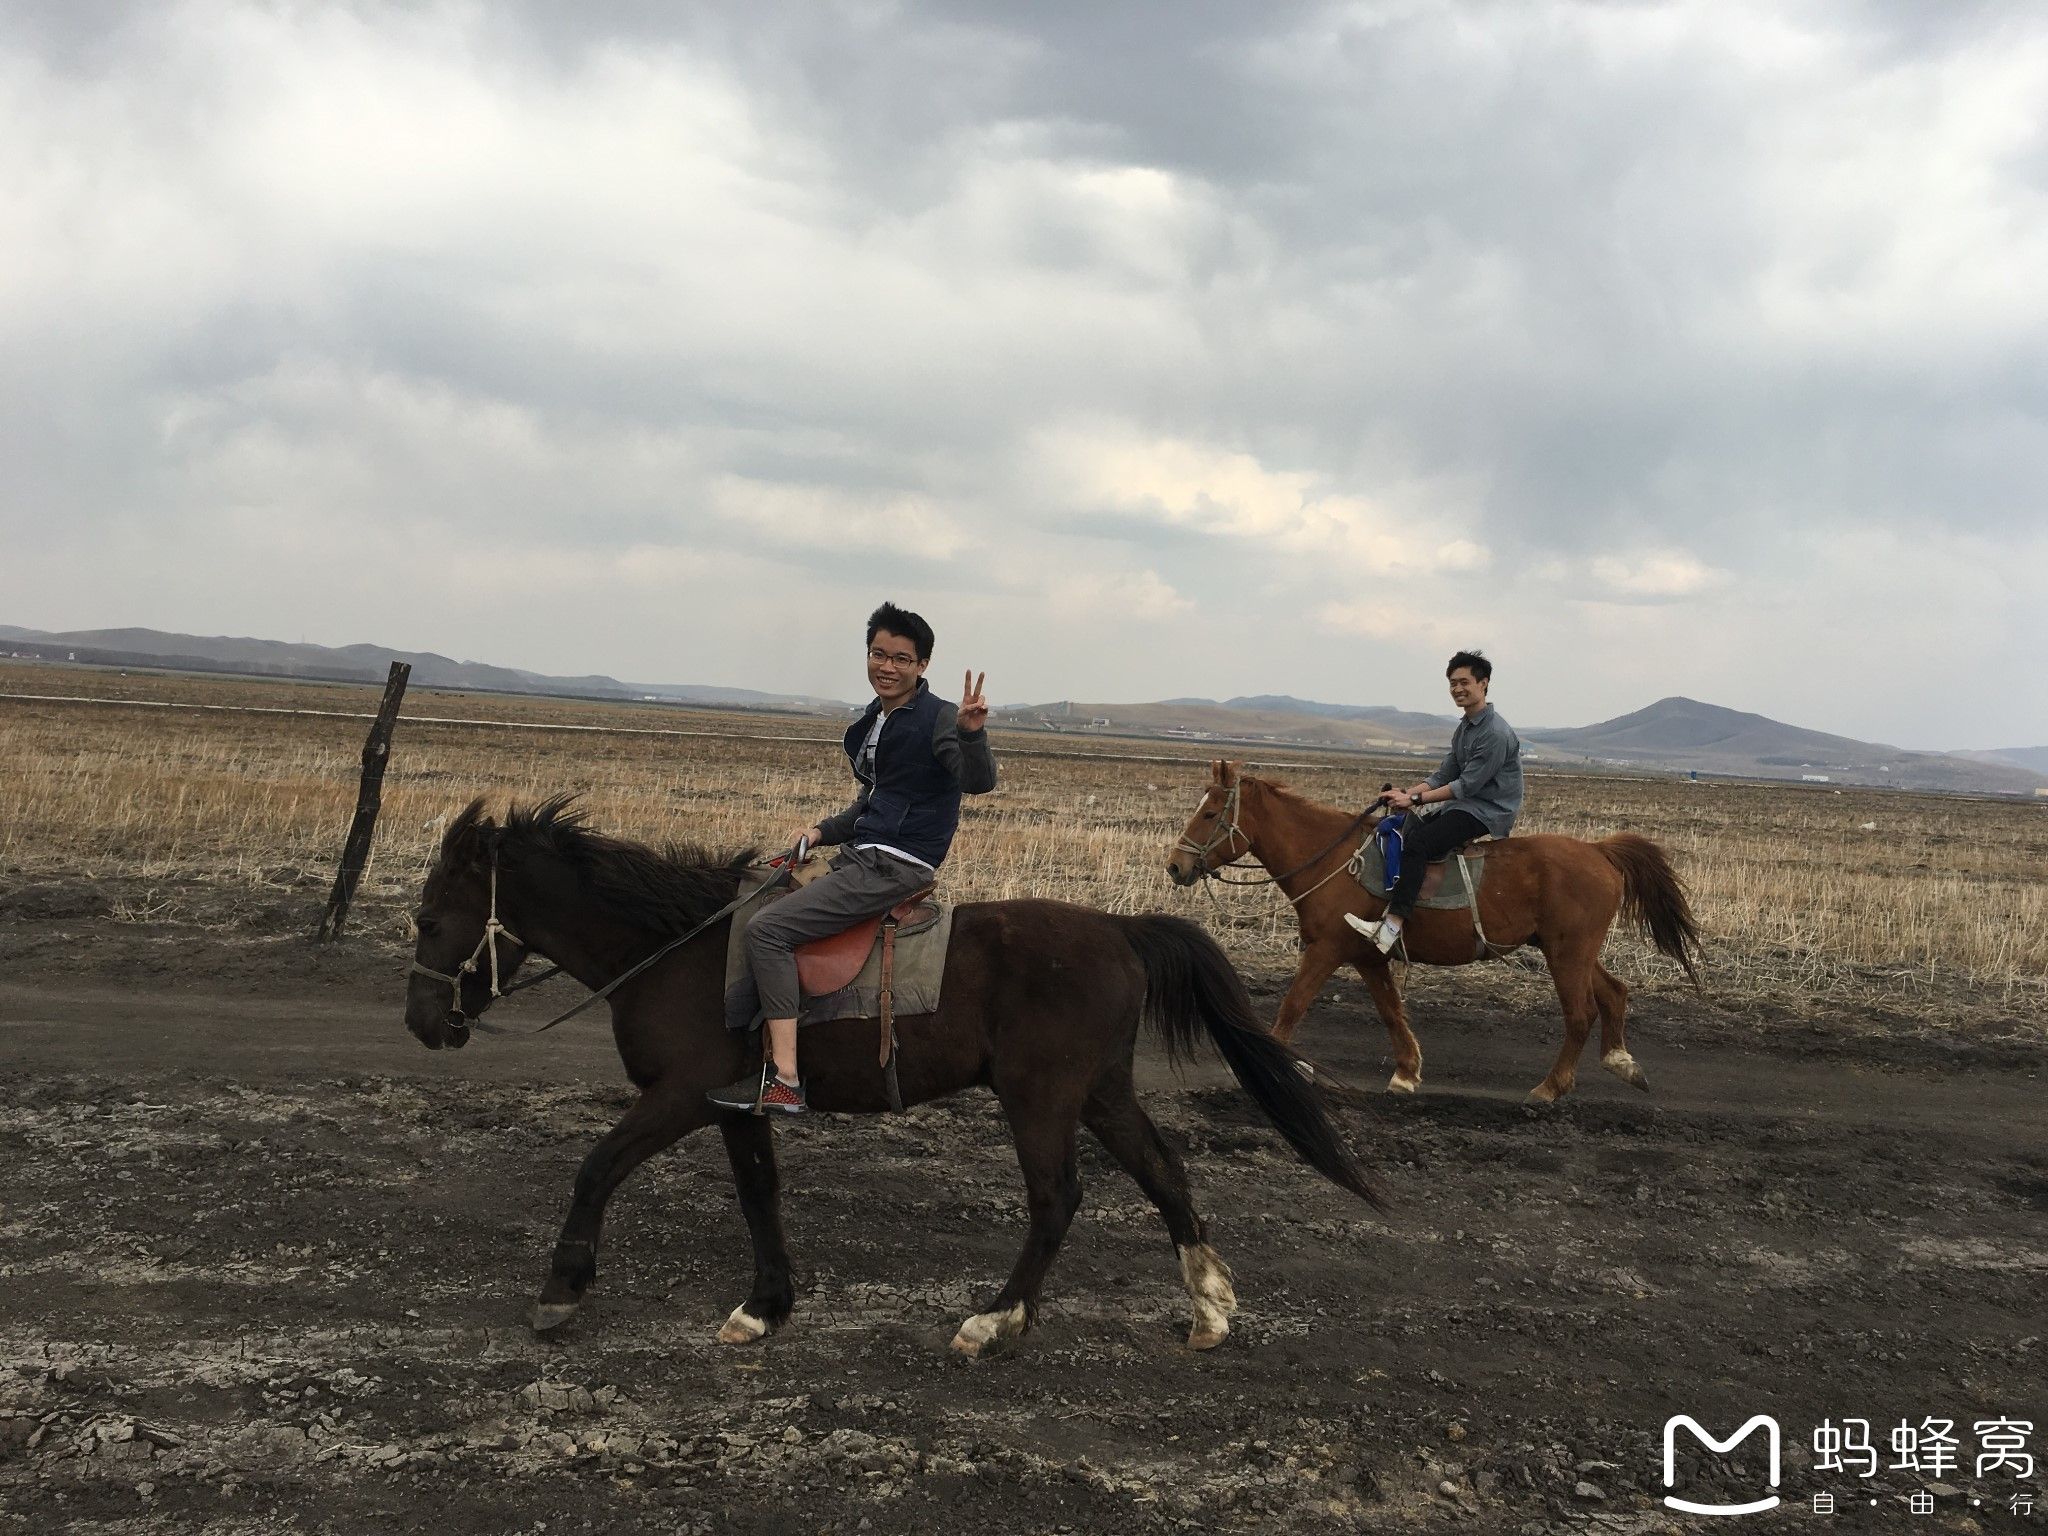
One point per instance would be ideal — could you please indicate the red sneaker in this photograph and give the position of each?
(763, 1093)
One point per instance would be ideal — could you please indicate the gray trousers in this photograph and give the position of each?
(863, 883)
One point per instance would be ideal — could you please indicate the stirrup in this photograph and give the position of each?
(1383, 936)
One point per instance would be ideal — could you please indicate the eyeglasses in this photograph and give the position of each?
(879, 657)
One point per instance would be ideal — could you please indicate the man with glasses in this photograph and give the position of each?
(914, 755)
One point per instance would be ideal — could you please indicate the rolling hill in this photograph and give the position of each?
(362, 663)
(1710, 738)
(1673, 734)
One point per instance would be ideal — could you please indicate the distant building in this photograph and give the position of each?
(1813, 778)
(2042, 792)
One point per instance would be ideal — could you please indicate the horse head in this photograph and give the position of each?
(463, 950)
(1212, 837)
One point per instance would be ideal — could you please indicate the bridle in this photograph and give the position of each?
(1227, 828)
(784, 868)
(487, 945)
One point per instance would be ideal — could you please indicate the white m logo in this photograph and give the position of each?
(1671, 1427)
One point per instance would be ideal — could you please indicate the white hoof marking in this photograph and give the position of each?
(1399, 1084)
(1623, 1066)
(1207, 1278)
(986, 1328)
(742, 1327)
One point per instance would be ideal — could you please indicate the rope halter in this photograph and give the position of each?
(487, 945)
(1226, 828)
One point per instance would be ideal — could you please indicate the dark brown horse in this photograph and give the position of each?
(1041, 1002)
(1559, 894)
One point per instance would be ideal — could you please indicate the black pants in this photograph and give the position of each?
(1424, 838)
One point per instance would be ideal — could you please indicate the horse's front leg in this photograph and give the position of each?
(1318, 963)
(1386, 997)
(661, 1115)
(750, 1145)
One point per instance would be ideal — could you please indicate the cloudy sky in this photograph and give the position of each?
(1208, 348)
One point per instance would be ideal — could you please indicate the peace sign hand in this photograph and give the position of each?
(973, 707)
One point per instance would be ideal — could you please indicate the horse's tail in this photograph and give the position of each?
(1653, 897)
(1189, 984)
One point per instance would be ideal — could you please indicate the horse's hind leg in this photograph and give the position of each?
(1128, 1135)
(750, 1147)
(1572, 965)
(1393, 1011)
(1052, 1185)
(1611, 994)
(657, 1119)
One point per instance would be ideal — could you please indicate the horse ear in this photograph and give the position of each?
(1226, 774)
(464, 843)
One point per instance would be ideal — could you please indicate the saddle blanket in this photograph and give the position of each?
(1441, 886)
(920, 964)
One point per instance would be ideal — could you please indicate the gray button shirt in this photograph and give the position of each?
(1484, 770)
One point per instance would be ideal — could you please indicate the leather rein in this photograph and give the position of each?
(1228, 828)
(458, 1017)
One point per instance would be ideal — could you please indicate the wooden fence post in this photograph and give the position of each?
(355, 853)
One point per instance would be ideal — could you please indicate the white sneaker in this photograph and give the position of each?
(1384, 933)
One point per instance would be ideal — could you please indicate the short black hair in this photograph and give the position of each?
(1482, 669)
(901, 621)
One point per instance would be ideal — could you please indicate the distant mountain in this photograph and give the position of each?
(1423, 726)
(2035, 759)
(1708, 738)
(362, 663)
(1674, 734)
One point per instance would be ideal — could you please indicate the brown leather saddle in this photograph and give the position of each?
(1443, 886)
(1439, 870)
(828, 965)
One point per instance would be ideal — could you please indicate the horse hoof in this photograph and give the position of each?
(1543, 1093)
(1207, 1278)
(1399, 1084)
(1623, 1066)
(742, 1328)
(547, 1316)
(981, 1333)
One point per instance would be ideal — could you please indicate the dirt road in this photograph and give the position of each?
(264, 1266)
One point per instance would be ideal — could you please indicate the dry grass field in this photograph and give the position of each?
(265, 1263)
(184, 813)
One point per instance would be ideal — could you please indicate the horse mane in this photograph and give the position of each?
(669, 889)
(1277, 787)
(1281, 790)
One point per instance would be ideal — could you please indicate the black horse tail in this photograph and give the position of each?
(1189, 984)
(1654, 898)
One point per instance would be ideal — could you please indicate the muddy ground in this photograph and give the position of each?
(264, 1264)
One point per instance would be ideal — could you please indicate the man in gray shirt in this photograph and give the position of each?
(1479, 785)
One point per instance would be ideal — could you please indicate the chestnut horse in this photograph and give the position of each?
(1560, 894)
(1041, 1003)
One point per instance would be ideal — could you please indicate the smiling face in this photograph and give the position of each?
(894, 668)
(1467, 691)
